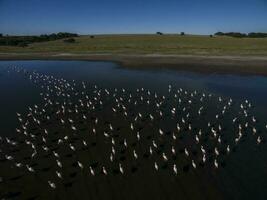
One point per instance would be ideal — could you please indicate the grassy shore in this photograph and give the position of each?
(147, 44)
(197, 53)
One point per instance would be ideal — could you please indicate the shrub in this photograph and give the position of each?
(69, 40)
(22, 44)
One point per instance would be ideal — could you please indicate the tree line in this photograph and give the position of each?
(242, 35)
(23, 41)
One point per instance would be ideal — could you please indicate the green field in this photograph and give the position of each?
(148, 44)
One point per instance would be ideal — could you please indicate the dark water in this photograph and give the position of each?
(245, 175)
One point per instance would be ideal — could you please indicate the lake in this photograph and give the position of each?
(242, 174)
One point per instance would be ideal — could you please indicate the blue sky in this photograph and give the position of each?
(128, 16)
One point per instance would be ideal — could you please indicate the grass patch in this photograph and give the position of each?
(148, 44)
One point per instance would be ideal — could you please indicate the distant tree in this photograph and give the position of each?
(159, 33)
(92, 36)
(237, 34)
(211, 36)
(44, 37)
(231, 34)
(219, 33)
(69, 40)
(23, 41)
(1, 35)
(257, 35)
(65, 35)
(182, 33)
(53, 36)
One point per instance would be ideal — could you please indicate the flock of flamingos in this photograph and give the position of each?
(117, 131)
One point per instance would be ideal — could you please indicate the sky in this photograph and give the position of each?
(34, 17)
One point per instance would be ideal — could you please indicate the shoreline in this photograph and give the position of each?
(240, 65)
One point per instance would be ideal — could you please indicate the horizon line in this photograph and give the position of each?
(148, 33)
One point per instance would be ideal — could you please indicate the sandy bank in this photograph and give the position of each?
(243, 65)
